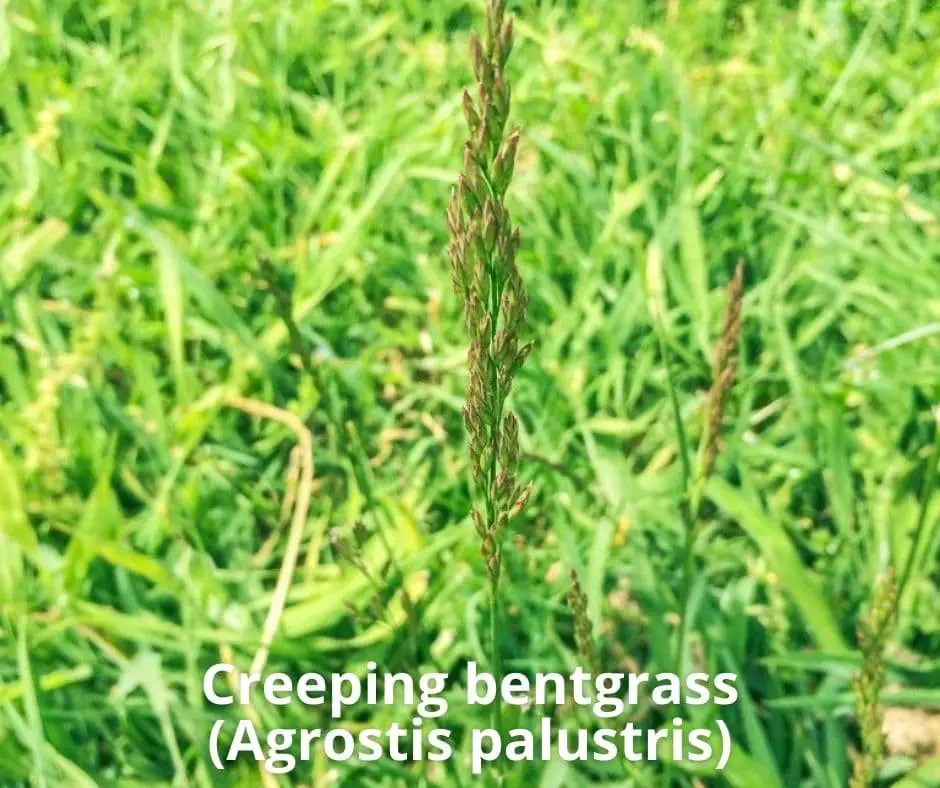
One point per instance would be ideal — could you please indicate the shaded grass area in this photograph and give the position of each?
(151, 152)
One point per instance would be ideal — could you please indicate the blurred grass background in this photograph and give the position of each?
(150, 152)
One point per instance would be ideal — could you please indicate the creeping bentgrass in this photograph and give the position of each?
(152, 152)
(483, 252)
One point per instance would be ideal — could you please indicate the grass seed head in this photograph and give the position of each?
(483, 249)
(583, 631)
(874, 631)
(724, 370)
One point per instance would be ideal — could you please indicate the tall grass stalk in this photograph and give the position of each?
(724, 370)
(483, 255)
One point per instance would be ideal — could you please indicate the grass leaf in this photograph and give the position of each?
(99, 523)
(777, 548)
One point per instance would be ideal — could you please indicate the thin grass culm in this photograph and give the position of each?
(483, 251)
(874, 631)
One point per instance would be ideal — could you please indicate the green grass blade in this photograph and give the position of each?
(100, 521)
(692, 253)
(14, 525)
(37, 738)
(926, 698)
(927, 775)
(777, 548)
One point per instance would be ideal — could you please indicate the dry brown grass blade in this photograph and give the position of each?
(299, 518)
(228, 657)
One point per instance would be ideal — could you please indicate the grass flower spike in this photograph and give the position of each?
(483, 254)
(724, 369)
(873, 633)
(583, 631)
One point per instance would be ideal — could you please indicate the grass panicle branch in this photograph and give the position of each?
(583, 631)
(483, 252)
(724, 370)
(874, 631)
